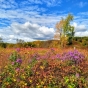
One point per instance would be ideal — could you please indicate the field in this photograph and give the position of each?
(43, 68)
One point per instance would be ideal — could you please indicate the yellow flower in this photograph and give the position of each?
(10, 73)
(25, 84)
(23, 74)
(14, 80)
(24, 77)
(42, 67)
(45, 87)
(6, 66)
(13, 75)
(22, 82)
(7, 83)
(28, 66)
(42, 82)
(30, 81)
(37, 72)
(38, 86)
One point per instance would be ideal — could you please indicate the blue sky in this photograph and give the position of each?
(35, 19)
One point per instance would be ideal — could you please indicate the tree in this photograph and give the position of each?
(66, 26)
(59, 26)
(66, 30)
(20, 41)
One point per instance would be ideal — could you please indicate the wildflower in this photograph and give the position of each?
(75, 56)
(6, 83)
(74, 48)
(6, 66)
(52, 49)
(23, 76)
(37, 58)
(14, 80)
(18, 49)
(10, 73)
(45, 87)
(77, 75)
(37, 72)
(19, 61)
(13, 63)
(42, 67)
(30, 81)
(17, 69)
(25, 84)
(28, 67)
(42, 82)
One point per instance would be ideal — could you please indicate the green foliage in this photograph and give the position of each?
(67, 28)
(70, 82)
(3, 45)
(82, 41)
(13, 56)
(69, 40)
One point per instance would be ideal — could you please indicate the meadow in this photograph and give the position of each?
(43, 68)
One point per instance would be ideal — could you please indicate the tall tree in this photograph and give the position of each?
(66, 30)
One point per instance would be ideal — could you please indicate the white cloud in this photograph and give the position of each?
(81, 34)
(80, 30)
(26, 12)
(26, 32)
(31, 16)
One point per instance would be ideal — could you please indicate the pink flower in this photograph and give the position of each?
(12, 63)
(17, 69)
(18, 49)
(19, 61)
(77, 75)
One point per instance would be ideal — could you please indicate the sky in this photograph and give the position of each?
(32, 20)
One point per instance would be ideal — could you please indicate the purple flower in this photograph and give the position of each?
(17, 69)
(58, 56)
(37, 58)
(75, 56)
(19, 61)
(13, 63)
(52, 49)
(18, 49)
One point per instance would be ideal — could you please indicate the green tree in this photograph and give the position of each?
(66, 30)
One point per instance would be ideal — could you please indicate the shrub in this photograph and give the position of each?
(73, 56)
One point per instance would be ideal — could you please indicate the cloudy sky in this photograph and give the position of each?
(31, 20)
